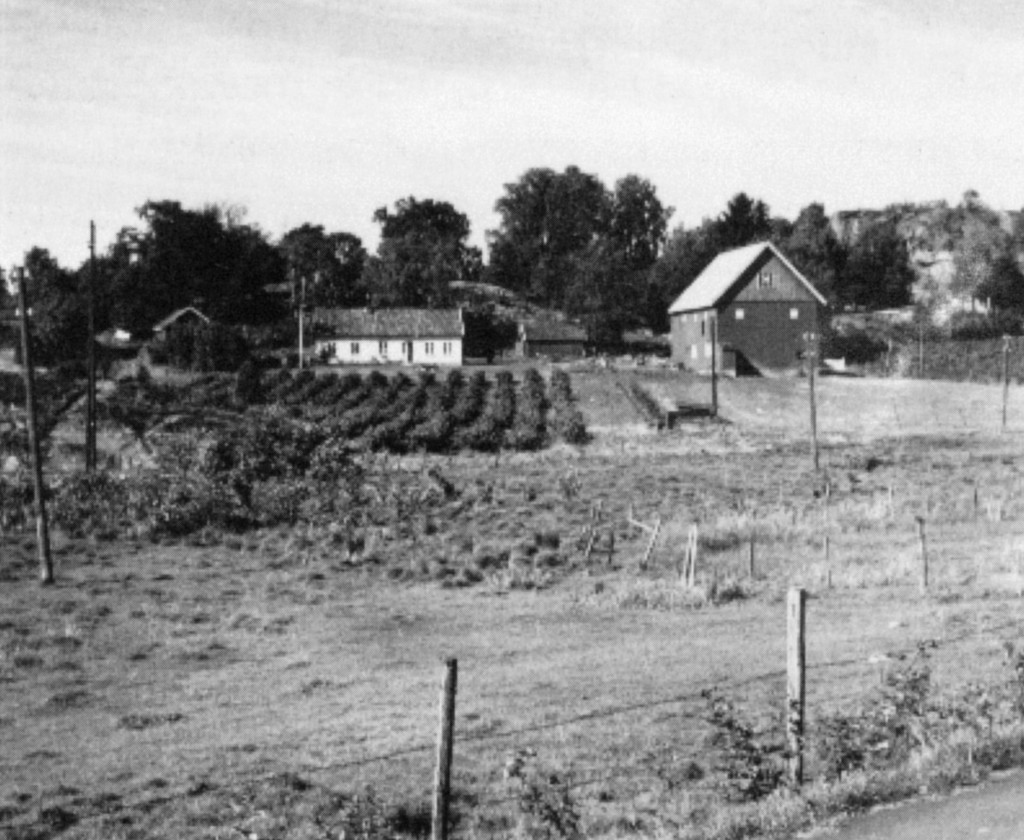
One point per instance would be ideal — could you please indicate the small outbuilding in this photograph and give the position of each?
(752, 308)
(185, 315)
(378, 336)
(551, 339)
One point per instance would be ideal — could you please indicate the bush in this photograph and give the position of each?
(528, 430)
(857, 347)
(90, 503)
(249, 383)
(976, 326)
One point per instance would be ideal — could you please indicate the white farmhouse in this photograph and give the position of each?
(398, 336)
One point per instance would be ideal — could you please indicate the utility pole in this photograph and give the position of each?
(42, 528)
(90, 410)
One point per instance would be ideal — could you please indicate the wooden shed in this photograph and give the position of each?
(754, 306)
(551, 339)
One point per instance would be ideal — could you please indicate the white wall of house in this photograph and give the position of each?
(375, 351)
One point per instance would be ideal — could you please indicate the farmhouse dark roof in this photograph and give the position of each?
(725, 270)
(552, 331)
(391, 323)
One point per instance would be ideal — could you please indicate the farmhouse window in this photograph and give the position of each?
(794, 313)
(702, 325)
(446, 348)
(430, 348)
(693, 351)
(765, 280)
(740, 314)
(354, 348)
(382, 348)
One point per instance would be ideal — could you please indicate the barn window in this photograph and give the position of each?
(765, 280)
(740, 314)
(354, 348)
(794, 313)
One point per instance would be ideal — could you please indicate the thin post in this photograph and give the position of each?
(714, 367)
(924, 555)
(650, 545)
(443, 771)
(795, 682)
(751, 569)
(42, 528)
(90, 405)
(975, 501)
(892, 505)
(812, 363)
(1006, 375)
(920, 350)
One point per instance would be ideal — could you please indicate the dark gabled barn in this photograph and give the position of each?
(551, 339)
(758, 307)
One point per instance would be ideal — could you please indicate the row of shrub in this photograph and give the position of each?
(400, 414)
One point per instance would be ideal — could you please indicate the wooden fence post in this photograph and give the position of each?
(924, 554)
(443, 771)
(42, 526)
(795, 683)
(650, 545)
(1006, 375)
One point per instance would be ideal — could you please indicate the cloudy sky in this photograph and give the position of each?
(322, 111)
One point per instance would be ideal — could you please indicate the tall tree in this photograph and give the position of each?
(207, 258)
(1004, 282)
(744, 221)
(423, 249)
(638, 222)
(59, 323)
(878, 273)
(814, 249)
(547, 219)
(332, 264)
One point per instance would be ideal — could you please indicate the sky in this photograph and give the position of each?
(322, 111)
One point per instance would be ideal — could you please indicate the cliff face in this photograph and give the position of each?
(935, 233)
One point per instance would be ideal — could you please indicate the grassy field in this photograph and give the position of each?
(281, 683)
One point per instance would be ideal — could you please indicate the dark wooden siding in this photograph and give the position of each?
(768, 336)
(552, 349)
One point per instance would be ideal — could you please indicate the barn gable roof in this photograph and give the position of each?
(391, 323)
(724, 271)
(176, 315)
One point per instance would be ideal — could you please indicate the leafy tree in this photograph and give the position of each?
(743, 222)
(878, 273)
(546, 219)
(59, 314)
(423, 249)
(332, 264)
(981, 244)
(814, 249)
(1004, 283)
(181, 257)
(601, 293)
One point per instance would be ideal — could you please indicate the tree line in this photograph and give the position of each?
(564, 240)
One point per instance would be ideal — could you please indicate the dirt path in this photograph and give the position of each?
(993, 811)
